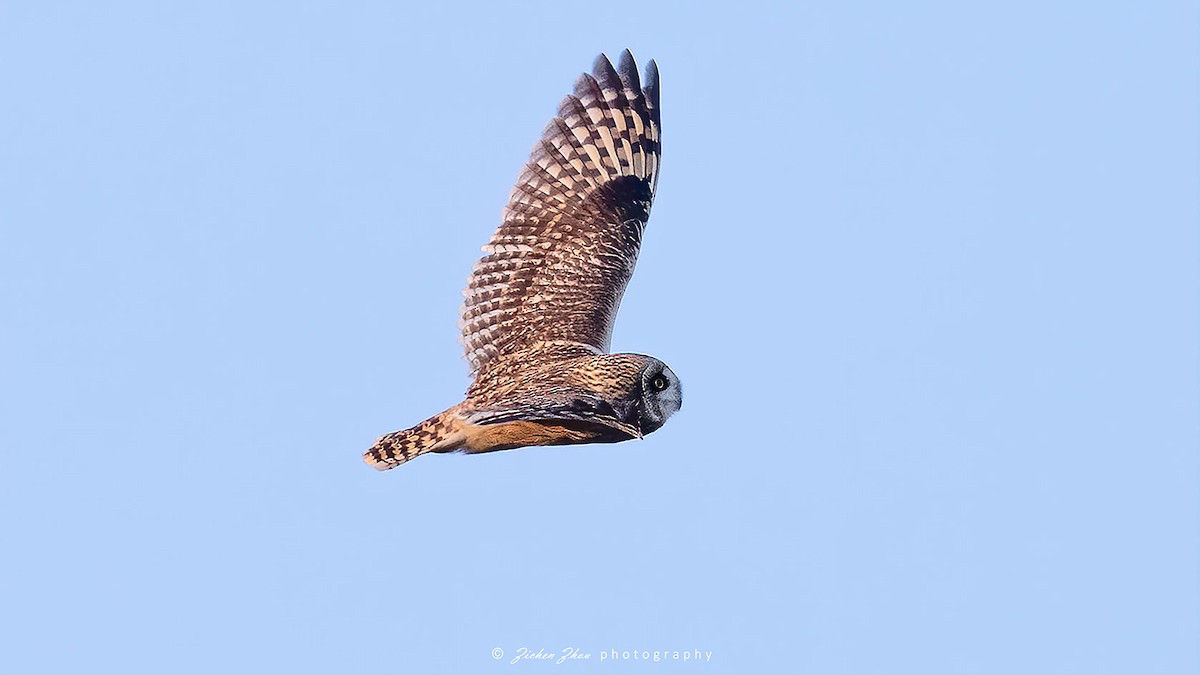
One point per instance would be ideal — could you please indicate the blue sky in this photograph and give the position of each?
(929, 274)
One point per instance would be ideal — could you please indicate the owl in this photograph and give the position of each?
(540, 304)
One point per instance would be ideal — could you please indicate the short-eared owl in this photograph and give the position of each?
(540, 304)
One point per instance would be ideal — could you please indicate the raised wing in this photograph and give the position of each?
(556, 268)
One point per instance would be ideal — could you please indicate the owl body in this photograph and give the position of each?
(540, 305)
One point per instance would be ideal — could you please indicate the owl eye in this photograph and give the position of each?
(659, 383)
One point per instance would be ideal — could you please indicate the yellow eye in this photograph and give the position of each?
(659, 383)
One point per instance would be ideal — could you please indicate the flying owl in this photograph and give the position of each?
(540, 305)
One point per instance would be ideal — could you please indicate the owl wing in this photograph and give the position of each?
(584, 407)
(554, 271)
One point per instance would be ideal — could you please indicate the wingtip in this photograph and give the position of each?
(651, 87)
(628, 72)
(606, 75)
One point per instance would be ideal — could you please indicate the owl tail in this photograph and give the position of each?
(440, 433)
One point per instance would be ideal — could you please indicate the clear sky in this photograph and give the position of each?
(928, 273)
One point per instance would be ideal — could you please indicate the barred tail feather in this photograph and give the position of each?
(440, 433)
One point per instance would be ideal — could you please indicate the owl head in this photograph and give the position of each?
(658, 396)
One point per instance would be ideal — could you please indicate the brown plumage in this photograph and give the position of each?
(540, 305)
